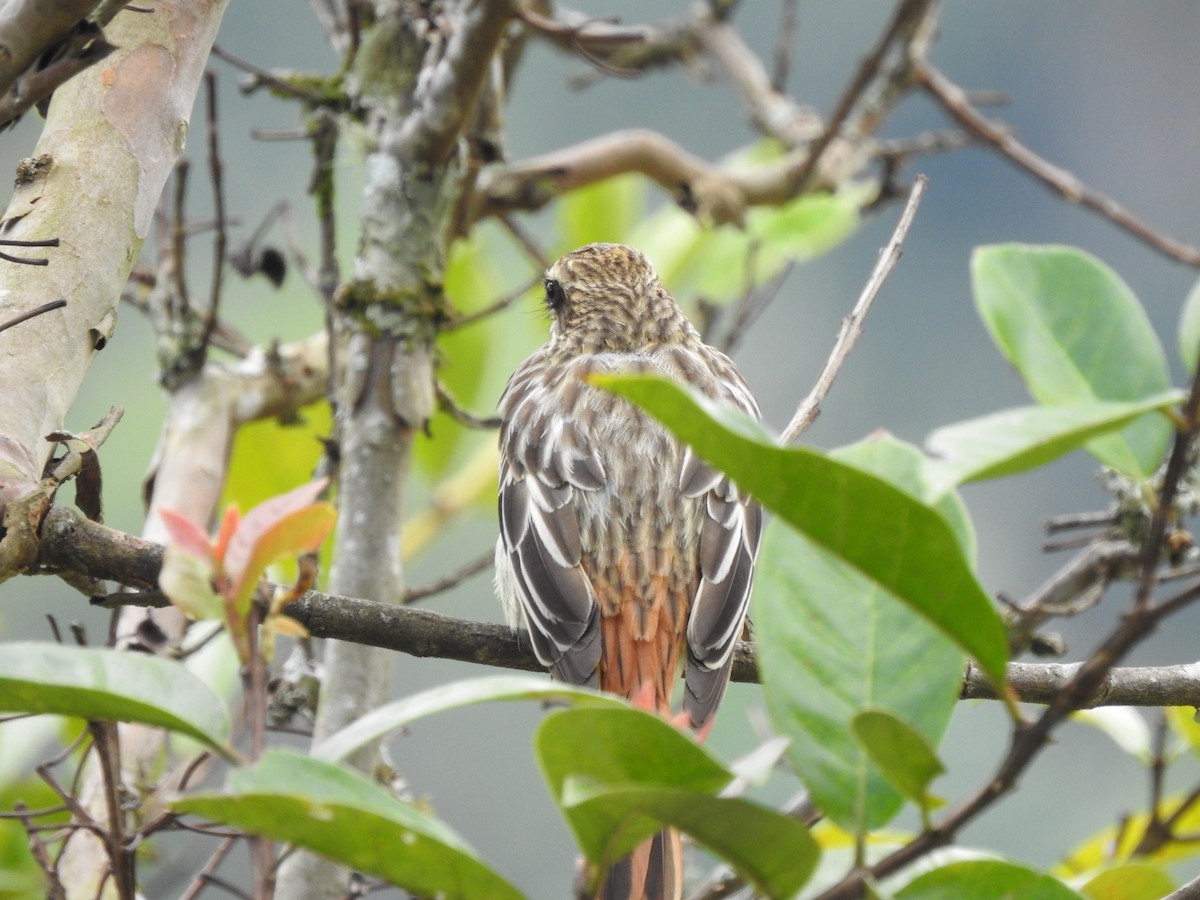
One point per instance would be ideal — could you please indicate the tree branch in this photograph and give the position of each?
(29, 27)
(955, 101)
(809, 408)
(72, 543)
(711, 193)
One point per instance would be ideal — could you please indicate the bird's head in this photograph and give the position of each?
(607, 298)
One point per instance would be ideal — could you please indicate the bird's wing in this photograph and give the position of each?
(545, 461)
(729, 538)
(730, 531)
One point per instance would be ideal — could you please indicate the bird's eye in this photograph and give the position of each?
(555, 295)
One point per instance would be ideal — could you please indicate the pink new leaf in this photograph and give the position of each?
(186, 534)
(252, 526)
(298, 531)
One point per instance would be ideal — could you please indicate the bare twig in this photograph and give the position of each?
(491, 309)
(909, 21)
(956, 102)
(774, 113)
(33, 313)
(455, 578)
(447, 405)
(810, 407)
(199, 882)
(785, 45)
(121, 859)
(220, 237)
(28, 260)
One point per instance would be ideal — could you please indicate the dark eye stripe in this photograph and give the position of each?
(555, 295)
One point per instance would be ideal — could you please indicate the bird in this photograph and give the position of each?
(623, 554)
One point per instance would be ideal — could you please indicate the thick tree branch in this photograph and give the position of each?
(713, 194)
(29, 27)
(72, 543)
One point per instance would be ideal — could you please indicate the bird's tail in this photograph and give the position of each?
(653, 871)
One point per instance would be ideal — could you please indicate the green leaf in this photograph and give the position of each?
(343, 816)
(774, 852)
(387, 718)
(721, 263)
(1016, 440)
(624, 746)
(111, 686)
(985, 879)
(904, 546)
(620, 775)
(619, 748)
(1077, 334)
(1189, 329)
(823, 662)
(900, 752)
(1131, 881)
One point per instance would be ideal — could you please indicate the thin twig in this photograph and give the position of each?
(179, 232)
(447, 405)
(525, 240)
(810, 407)
(54, 887)
(220, 234)
(121, 860)
(455, 578)
(492, 308)
(902, 26)
(955, 101)
(28, 260)
(785, 45)
(198, 883)
(283, 85)
(33, 313)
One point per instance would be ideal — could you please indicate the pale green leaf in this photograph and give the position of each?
(347, 818)
(391, 716)
(112, 686)
(1076, 334)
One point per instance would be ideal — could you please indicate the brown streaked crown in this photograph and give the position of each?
(607, 298)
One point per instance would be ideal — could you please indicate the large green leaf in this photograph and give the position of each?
(773, 852)
(620, 775)
(112, 686)
(832, 644)
(1016, 440)
(985, 879)
(341, 815)
(904, 546)
(391, 716)
(1077, 334)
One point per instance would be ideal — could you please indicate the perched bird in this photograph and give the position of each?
(622, 553)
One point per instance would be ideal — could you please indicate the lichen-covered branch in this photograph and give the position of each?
(111, 137)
